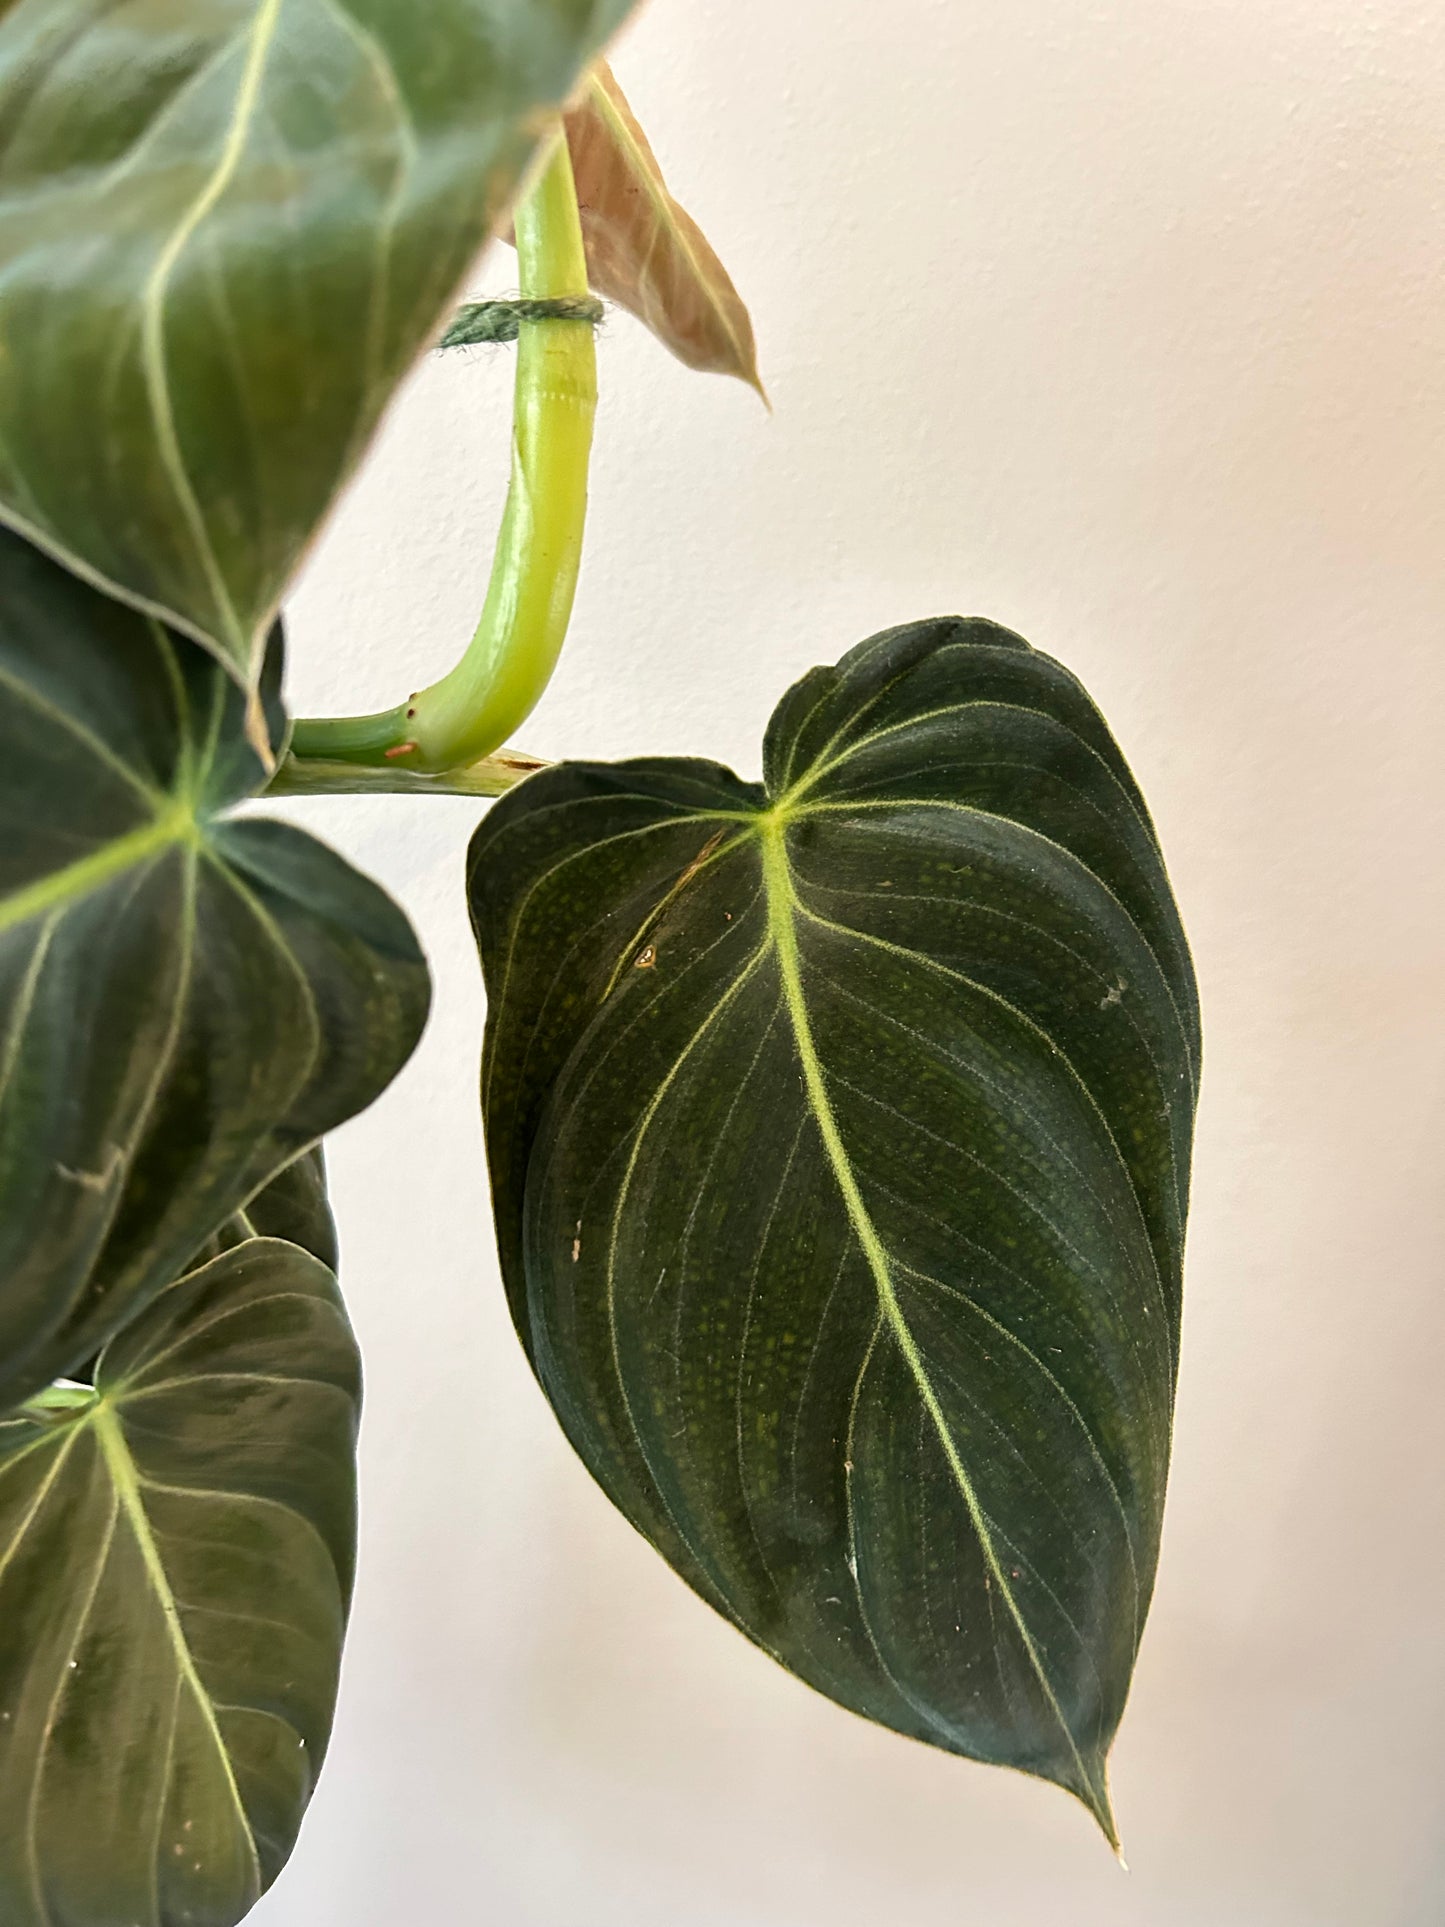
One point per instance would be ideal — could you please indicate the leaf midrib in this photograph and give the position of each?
(236, 641)
(120, 1467)
(782, 907)
(174, 826)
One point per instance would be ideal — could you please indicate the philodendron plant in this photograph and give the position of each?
(838, 1122)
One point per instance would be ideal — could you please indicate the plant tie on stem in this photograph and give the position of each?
(486, 324)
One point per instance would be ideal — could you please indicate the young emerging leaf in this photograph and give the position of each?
(643, 250)
(839, 1133)
(176, 1554)
(186, 1000)
(226, 230)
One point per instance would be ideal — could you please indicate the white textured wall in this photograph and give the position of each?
(1122, 321)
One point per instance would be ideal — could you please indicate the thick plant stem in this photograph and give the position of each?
(349, 739)
(471, 712)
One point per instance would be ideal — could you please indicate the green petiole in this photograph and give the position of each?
(317, 776)
(472, 711)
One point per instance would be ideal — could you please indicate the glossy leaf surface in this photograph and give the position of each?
(187, 1001)
(839, 1133)
(176, 1554)
(646, 252)
(226, 230)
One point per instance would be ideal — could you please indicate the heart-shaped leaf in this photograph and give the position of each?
(646, 252)
(839, 1133)
(176, 1554)
(186, 1000)
(226, 230)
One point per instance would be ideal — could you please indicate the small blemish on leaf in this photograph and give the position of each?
(647, 958)
(1115, 996)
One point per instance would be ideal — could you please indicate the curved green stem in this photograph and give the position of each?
(494, 688)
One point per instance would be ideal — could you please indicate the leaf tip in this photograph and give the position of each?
(1098, 1799)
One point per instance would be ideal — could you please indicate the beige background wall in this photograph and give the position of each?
(1122, 321)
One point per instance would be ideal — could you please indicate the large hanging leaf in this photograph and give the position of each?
(646, 252)
(227, 227)
(186, 1000)
(839, 1134)
(176, 1554)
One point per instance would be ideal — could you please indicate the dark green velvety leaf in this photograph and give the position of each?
(176, 1556)
(839, 1133)
(187, 1001)
(294, 1206)
(226, 230)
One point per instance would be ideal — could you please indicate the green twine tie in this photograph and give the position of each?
(483, 324)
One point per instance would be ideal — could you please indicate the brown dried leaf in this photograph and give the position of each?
(644, 251)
